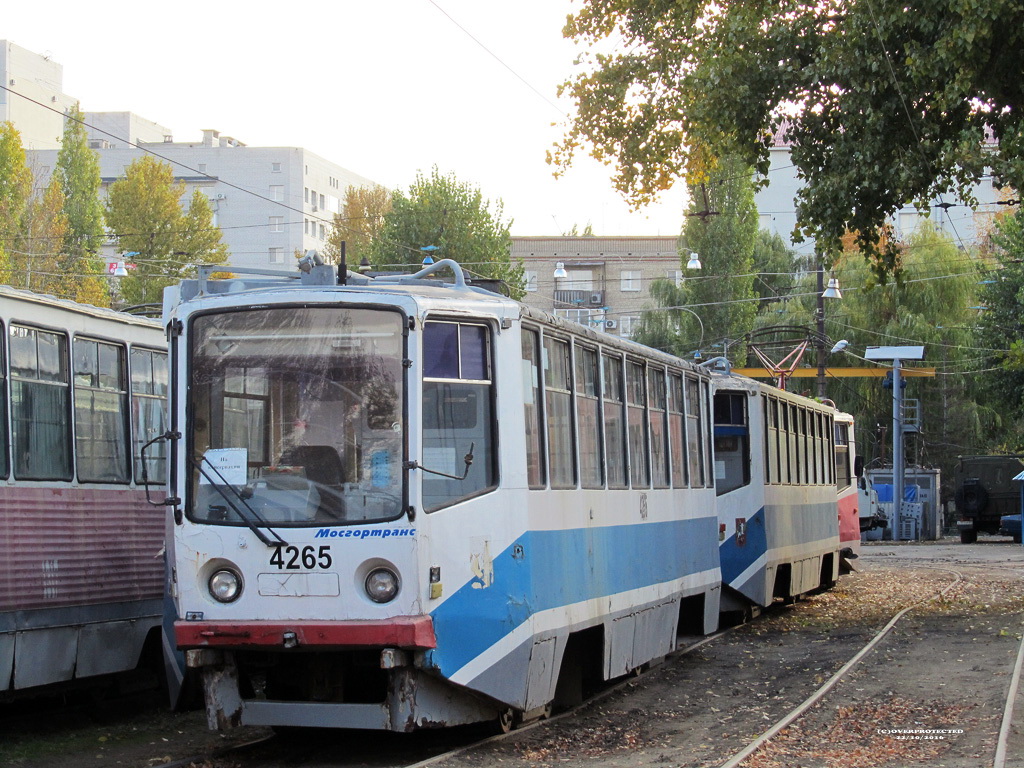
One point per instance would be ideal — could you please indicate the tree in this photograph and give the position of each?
(144, 212)
(721, 227)
(358, 224)
(37, 264)
(15, 189)
(200, 241)
(883, 102)
(1001, 324)
(453, 217)
(933, 306)
(78, 173)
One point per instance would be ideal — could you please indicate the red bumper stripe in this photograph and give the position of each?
(399, 632)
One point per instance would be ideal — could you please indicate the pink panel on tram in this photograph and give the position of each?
(78, 546)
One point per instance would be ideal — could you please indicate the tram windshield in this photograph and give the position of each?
(295, 416)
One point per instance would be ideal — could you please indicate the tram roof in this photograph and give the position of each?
(47, 300)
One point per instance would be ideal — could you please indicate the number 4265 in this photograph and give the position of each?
(293, 559)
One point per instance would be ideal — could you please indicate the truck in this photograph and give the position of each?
(984, 492)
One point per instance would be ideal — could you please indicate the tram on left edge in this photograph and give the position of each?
(81, 552)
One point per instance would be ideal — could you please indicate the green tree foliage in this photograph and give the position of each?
(144, 212)
(932, 306)
(1001, 325)
(776, 266)
(721, 228)
(78, 173)
(455, 218)
(359, 223)
(15, 189)
(884, 102)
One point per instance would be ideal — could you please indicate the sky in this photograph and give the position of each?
(385, 88)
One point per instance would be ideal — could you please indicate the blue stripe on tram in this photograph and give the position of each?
(559, 568)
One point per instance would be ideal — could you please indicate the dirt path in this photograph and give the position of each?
(946, 667)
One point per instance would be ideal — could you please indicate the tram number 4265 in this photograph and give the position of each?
(288, 558)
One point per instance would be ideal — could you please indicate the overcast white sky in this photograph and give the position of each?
(384, 88)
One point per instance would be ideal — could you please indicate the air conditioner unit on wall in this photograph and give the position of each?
(315, 209)
(610, 324)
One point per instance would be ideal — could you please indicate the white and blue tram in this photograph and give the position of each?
(404, 504)
(81, 567)
(782, 484)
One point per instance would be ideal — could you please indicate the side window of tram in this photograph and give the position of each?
(557, 388)
(657, 399)
(588, 416)
(40, 404)
(149, 403)
(614, 398)
(457, 412)
(695, 424)
(101, 412)
(532, 410)
(843, 474)
(636, 397)
(732, 442)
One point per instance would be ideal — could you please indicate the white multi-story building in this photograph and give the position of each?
(32, 99)
(776, 206)
(269, 202)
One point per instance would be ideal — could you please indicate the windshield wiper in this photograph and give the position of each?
(468, 458)
(247, 519)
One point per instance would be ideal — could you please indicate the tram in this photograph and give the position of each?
(786, 502)
(81, 552)
(401, 503)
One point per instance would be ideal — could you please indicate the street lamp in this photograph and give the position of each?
(694, 262)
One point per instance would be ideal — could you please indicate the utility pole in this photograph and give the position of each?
(897, 355)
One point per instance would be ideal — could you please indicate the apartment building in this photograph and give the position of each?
(33, 99)
(776, 206)
(607, 279)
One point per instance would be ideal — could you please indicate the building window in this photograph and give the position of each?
(277, 255)
(579, 280)
(909, 222)
(530, 280)
(628, 325)
(277, 223)
(277, 192)
(275, 167)
(629, 280)
(323, 232)
(202, 167)
(581, 316)
(305, 194)
(676, 276)
(322, 200)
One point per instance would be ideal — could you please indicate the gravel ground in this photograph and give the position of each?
(945, 667)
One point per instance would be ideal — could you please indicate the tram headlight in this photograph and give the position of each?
(382, 585)
(225, 585)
